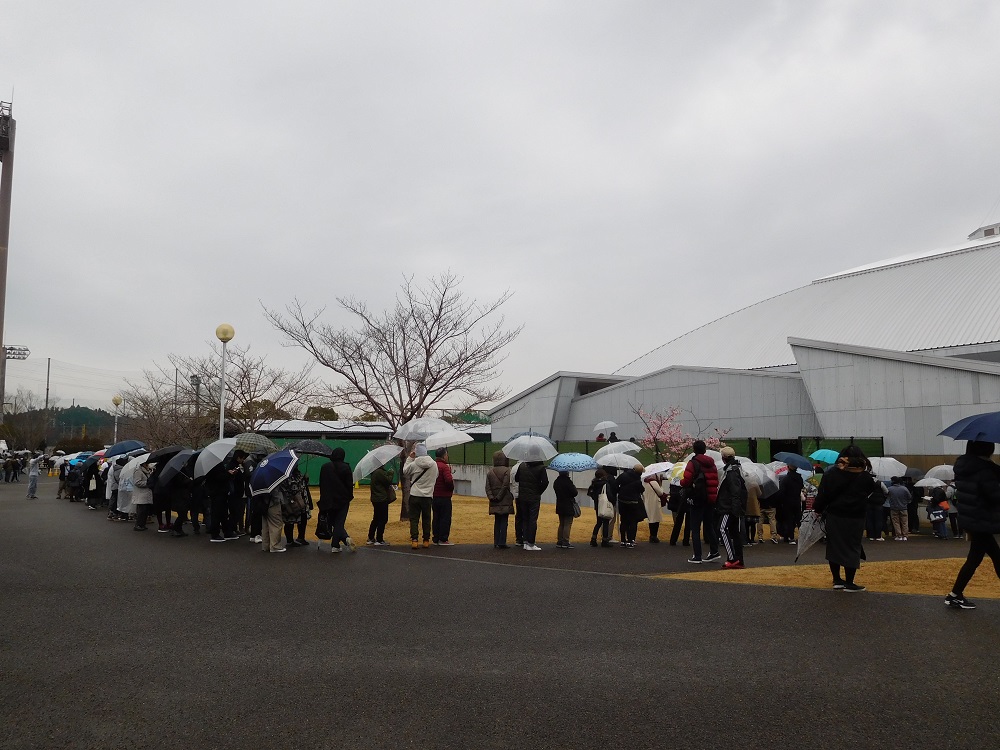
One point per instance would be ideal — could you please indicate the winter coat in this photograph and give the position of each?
(565, 492)
(844, 491)
(753, 499)
(498, 491)
(630, 487)
(141, 494)
(731, 501)
(381, 482)
(532, 480)
(977, 483)
(336, 483)
(653, 498)
(444, 485)
(789, 500)
(426, 469)
(707, 465)
(899, 497)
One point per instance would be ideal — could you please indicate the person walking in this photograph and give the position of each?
(444, 488)
(382, 493)
(977, 490)
(33, 477)
(731, 508)
(420, 470)
(842, 500)
(501, 499)
(701, 484)
(899, 501)
(566, 493)
(531, 483)
(336, 491)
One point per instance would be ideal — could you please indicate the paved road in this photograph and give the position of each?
(114, 639)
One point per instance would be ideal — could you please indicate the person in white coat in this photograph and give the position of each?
(142, 495)
(654, 498)
(421, 471)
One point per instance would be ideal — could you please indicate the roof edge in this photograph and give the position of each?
(611, 379)
(931, 360)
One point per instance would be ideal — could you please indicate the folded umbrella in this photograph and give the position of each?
(375, 458)
(255, 444)
(272, 471)
(125, 446)
(572, 462)
(213, 455)
(310, 446)
(530, 448)
(983, 427)
(812, 529)
(622, 446)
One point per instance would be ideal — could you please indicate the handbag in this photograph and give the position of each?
(576, 508)
(392, 493)
(323, 527)
(937, 515)
(604, 507)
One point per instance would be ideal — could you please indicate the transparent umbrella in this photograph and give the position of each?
(530, 448)
(374, 458)
(623, 446)
(886, 468)
(663, 467)
(605, 426)
(813, 529)
(944, 472)
(618, 460)
(213, 455)
(930, 482)
(421, 428)
(446, 438)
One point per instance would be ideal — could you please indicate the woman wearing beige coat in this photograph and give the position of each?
(501, 498)
(652, 497)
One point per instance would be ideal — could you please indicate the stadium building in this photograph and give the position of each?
(892, 351)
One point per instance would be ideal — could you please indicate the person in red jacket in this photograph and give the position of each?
(700, 485)
(444, 487)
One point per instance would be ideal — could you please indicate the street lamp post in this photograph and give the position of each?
(117, 401)
(224, 333)
(196, 384)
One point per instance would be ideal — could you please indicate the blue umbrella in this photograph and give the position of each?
(825, 456)
(984, 427)
(794, 459)
(573, 462)
(125, 446)
(272, 471)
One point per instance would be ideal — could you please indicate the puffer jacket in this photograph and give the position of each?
(426, 469)
(977, 492)
(630, 487)
(565, 492)
(532, 480)
(711, 475)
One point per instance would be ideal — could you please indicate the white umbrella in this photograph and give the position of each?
(446, 438)
(129, 469)
(374, 458)
(622, 446)
(659, 468)
(930, 482)
(421, 428)
(213, 455)
(530, 448)
(886, 467)
(618, 460)
(945, 472)
(605, 426)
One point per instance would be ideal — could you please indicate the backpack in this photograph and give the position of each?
(697, 493)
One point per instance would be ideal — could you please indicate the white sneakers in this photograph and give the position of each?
(532, 547)
(257, 539)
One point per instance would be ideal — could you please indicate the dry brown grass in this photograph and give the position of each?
(472, 524)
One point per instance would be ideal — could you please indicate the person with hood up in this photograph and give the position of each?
(532, 480)
(336, 490)
(421, 471)
(382, 494)
(630, 490)
(501, 499)
(789, 503)
(701, 485)
(444, 488)
(566, 493)
(844, 494)
(977, 490)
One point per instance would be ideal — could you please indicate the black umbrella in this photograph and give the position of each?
(183, 459)
(914, 473)
(164, 454)
(313, 447)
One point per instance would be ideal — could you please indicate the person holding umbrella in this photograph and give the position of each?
(501, 498)
(382, 494)
(421, 471)
(566, 493)
(336, 491)
(531, 481)
(444, 488)
(844, 494)
(630, 491)
(977, 490)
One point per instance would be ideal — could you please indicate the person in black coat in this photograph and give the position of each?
(336, 490)
(531, 481)
(630, 489)
(602, 481)
(842, 501)
(789, 504)
(977, 491)
(566, 493)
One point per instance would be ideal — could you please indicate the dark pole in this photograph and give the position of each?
(48, 374)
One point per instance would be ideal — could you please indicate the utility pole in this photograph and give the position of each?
(7, 127)
(48, 374)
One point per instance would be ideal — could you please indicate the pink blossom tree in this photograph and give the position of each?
(665, 436)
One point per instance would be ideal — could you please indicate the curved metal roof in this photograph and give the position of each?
(911, 303)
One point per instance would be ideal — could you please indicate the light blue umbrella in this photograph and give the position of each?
(825, 456)
(572, 462)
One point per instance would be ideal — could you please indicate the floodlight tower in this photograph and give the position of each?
(7, 126)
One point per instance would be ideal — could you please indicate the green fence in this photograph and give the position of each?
(353, 452)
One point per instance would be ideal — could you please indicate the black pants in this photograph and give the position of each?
(913, 516)
(500, 529)
(731, 531)
(222, 525)
(441, 519)
(237, 512)
(750, 528)
(179, 521)
(380, 517)
(290, 529)
(629, 513)
(528, 511)
(955, 531)
(338, 517)
(981, 543)
(256, 523)
(874, 521)
(702, 517)
(604, 526)
(681, 517)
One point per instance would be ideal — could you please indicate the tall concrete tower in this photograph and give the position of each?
(7, 127)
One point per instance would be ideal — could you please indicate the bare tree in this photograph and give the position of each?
(25, 427)
(435, 347)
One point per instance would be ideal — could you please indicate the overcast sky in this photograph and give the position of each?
(630, 170)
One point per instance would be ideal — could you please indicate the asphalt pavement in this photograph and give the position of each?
(118, 639)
